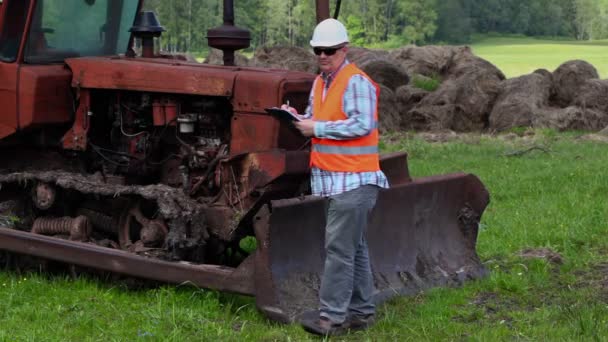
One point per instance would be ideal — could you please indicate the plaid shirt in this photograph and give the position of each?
(359, 104)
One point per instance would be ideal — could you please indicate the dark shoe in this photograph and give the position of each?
(324, 326)
(360, 322)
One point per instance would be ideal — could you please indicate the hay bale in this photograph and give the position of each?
(285, 57)
(519, 99)
(568, 79)
(216, 57)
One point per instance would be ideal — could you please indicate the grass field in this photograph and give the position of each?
(518, 56)
(547, 191)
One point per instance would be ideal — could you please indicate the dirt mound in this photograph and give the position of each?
(592, 95)
(568, 80)
(360, 56)
(473, 95)
(388, 113)
(407, 97)
(572, 117)
(465, 63)
(465, 98)
(283, 57)
(519, 100)
(377, 66)
(216, 57)
(426, 60)
(386, 73)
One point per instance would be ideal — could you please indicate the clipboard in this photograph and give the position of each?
(283, 114)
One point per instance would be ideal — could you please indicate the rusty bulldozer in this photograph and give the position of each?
(117, 157)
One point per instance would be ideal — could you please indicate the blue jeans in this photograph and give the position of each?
(347, 285)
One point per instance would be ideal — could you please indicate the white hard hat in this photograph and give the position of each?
(329, 33)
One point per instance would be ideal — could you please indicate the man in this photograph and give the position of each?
(342, 119)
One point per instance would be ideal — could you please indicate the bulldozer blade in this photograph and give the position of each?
(422, 234)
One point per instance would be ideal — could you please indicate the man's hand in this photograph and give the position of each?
(289, 109)
(306, 127)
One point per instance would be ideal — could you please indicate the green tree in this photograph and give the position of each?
(420, 19)
(453, 23)
(305, 15)
(356, 31)
(586, 14)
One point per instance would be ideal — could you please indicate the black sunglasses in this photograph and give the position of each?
(326, 51)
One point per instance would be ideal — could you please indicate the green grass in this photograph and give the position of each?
(517, 56)
(554, 197)
(426, 83)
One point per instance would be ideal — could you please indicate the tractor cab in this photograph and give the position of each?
(36, 36)
(48, 31)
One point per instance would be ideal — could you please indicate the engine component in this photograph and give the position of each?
(44, 196)
(99, 220)
(186, 123)
(78, 228)
(164, 112)
(151, 233)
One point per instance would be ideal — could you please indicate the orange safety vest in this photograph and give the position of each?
(352, 155)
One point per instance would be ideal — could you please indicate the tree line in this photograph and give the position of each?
(383, 22)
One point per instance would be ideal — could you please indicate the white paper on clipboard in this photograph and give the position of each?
(283, 114)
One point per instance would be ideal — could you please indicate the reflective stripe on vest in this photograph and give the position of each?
(349, 151)
(351, 155)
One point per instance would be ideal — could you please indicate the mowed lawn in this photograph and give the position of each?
(519, 56)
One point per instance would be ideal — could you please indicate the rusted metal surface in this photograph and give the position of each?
(257, 89)
(76, 138)
(100, 221)
(395, 168)
(250, 179)
(417, 239)
(5, 130)
(251, 92)
(237, 280)
(150, 74)
(44, 196)
(322, 10)
(44, 95)
(164, 112)
(77, 228)
(253, 133)
(152, 233)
